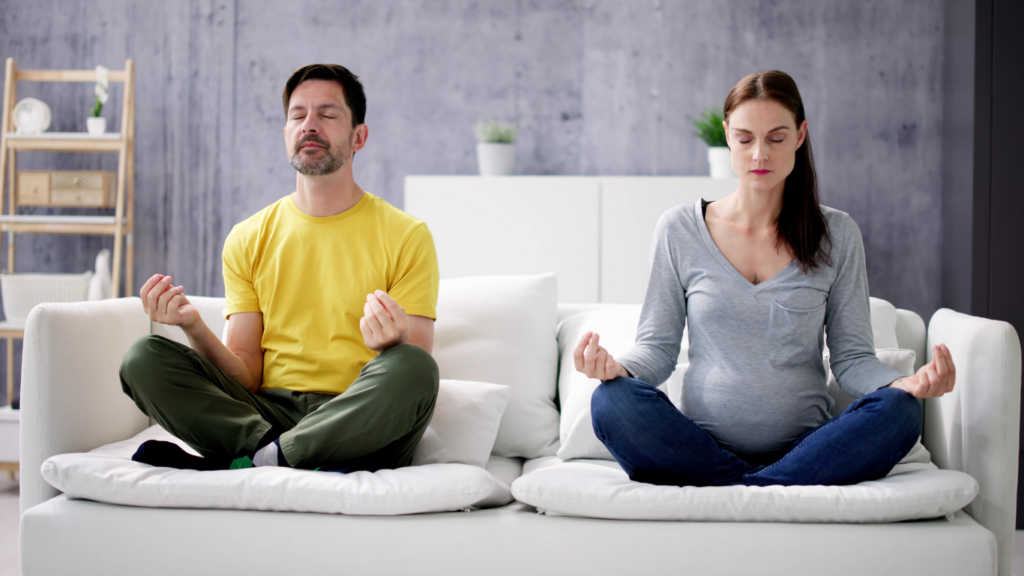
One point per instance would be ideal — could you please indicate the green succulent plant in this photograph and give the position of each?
(495, 132)
(709, 127)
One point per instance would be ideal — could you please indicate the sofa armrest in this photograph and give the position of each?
(975, 428)
(71, 393)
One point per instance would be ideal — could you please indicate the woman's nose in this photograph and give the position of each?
(760, 153)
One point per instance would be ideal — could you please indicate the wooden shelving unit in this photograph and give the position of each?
(121, 224)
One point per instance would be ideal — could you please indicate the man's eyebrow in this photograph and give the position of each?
(745, 131)
(320, 107)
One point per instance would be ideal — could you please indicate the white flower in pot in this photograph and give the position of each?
(95, 123)
(495, 148)
(711, 131)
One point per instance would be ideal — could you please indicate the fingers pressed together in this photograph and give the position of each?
(935, 378)
(384, 322)
(591, 359)
(160, 297)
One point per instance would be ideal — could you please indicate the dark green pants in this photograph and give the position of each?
(375, 424)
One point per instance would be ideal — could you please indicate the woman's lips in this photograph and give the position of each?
(760, 172)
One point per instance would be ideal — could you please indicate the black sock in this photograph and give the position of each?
(169, 454)
(281, 460)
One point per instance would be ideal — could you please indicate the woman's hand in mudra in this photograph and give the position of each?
(594, 361)
(934, 378)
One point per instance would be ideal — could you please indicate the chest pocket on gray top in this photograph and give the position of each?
(793, 335)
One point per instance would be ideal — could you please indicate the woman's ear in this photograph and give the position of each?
(803, 134)
(725, 125)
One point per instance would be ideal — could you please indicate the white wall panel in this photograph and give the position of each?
(630, 208)
(513, 225)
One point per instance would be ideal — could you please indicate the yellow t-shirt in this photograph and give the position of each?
(310, 277)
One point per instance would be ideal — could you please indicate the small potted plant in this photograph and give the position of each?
(95, 123)
(495, 148)
(710, 130)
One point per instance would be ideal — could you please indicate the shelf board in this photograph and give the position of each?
(66, 141)
(57, 219)
(67, 76)
(64, 136)
(12, 329)
(59, 224)
(8, 414)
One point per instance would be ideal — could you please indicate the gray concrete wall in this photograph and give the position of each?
(958, 155)
(596, 87)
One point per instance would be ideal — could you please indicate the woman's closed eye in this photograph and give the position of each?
(772, 140)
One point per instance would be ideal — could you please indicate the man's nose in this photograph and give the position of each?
(310, 124)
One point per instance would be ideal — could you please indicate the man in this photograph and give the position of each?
(331, 297)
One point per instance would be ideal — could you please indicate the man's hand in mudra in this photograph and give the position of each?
(384, 323)
(166, 303)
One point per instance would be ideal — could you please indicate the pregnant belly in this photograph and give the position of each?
(756, 416)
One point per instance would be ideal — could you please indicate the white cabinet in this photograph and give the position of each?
(630, 209)
(593, 232)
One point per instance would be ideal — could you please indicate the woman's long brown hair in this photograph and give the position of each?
(801, 224)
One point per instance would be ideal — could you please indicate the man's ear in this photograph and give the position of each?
(360, 134)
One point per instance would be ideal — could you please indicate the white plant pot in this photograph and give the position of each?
(495, 159)
(720, 161)
(96, 125)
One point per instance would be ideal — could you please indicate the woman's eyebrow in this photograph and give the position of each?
(776, 129)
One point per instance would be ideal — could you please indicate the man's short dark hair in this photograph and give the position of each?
(355, 98)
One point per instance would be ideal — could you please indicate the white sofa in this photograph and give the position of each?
(72, 402)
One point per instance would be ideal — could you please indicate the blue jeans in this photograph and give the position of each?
(656, 443)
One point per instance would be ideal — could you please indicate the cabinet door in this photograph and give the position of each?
(630, 209)
(33, 188)
(513, 225)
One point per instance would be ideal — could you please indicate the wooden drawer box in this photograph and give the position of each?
(66, 188)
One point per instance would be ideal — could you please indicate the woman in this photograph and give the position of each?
(759, 275)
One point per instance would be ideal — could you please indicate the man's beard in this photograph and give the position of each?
(328, 163)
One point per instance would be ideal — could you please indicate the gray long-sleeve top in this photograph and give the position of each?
(756, 379)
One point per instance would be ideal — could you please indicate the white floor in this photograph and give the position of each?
(9, 550)
(8, 526)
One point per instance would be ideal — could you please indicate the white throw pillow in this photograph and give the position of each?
(501, 329)
(464, 424)
(617, 328)
(600, 489)
(108, 475)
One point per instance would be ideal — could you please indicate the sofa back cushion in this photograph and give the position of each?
(501, 329)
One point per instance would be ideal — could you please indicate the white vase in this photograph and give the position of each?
(720, 161)
(495, 159)
(96, 125)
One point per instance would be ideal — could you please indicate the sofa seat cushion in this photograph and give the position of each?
(601, 489)
(107, 474)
